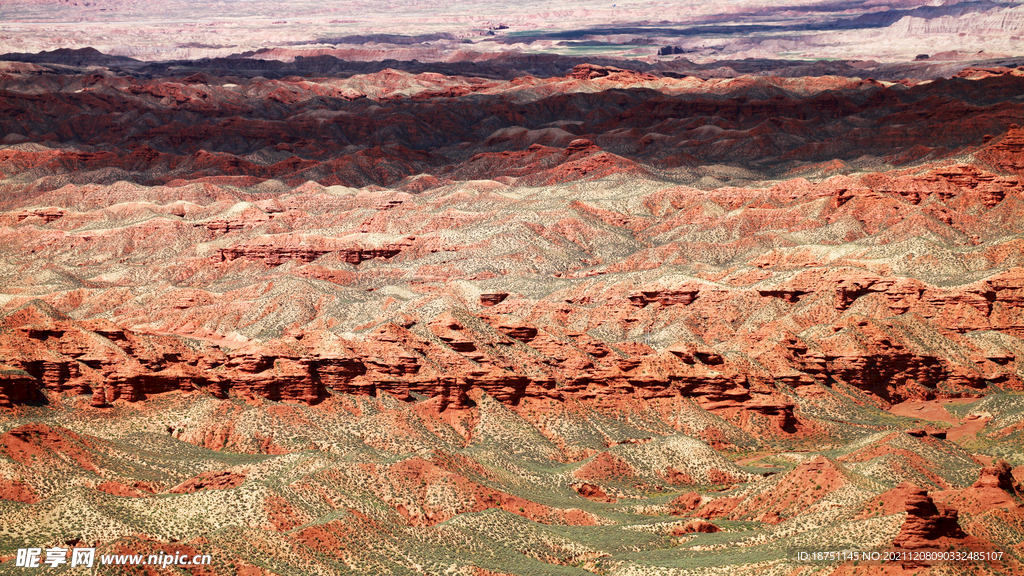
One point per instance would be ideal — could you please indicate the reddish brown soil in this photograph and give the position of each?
(890, 502)
(794, 493)
(17, 491)
(604, 467)
(34, 443)
(719, 508)
(119, 489)
(969, 428)
(927, 410)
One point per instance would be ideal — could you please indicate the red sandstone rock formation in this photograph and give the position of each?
(379, 290)
(682, 505)
(926, 524)
(995, 489)
(593, 492)
(1007, 152)
(493, 298)
(611, 73)
(220, 480)
(696, 526)
(442, 294)
(893, 501)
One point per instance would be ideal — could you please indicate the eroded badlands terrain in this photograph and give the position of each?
(604, 320)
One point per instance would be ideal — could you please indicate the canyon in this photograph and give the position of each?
(524, 309)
